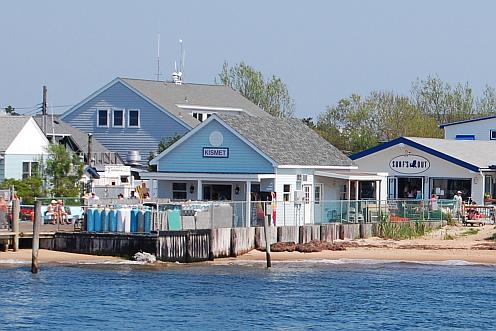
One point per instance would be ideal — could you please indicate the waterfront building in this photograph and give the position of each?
(483, 128)
(419, 167)
(244, 158)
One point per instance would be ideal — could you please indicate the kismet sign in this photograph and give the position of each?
(215, 152)
(409, 164)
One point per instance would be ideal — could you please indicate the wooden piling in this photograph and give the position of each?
(35, 268)
(267, 242)
(15, 223)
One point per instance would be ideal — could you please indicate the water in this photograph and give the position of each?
(350, 295)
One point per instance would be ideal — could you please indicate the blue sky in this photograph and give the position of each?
(323, 50)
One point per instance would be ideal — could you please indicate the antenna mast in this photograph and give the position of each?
(158, 57)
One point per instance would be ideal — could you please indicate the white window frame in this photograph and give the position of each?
(491, 134)
(30, 168)
(286, 195)
(123, 117)
(129, 118)
(98, 117)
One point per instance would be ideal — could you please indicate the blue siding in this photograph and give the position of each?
(155, 124)
(188, 157)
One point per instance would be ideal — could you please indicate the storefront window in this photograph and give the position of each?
(410, 187)
(217, 192)
(446, 188)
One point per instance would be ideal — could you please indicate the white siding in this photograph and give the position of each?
(30, 140)
(480, 129)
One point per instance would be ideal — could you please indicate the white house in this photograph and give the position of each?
(22, 145)
(419, 167)
(483, 128)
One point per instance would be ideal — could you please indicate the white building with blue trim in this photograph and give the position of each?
(242, 158)
(419, 167)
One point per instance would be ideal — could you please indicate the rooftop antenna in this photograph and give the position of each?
(177, 75)
(158, 57)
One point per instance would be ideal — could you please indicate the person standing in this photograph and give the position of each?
(457, 205)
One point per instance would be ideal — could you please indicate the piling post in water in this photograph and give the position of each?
(267, 242)
(35, 268)
(15, 223)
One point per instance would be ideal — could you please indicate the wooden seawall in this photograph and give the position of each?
(206, 244)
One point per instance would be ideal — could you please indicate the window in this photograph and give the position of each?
(492, 134)
(29, 168)
(316, 194)
(134, 118)
(286, 192)
(179, 191)
(488, 186)
(446, 188)
(102, 119)
(118, 118)
(306, 189)
(465, 137)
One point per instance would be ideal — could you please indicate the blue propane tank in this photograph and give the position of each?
(148, 221)
(141, 221)
(112, 220)
(120, 220)
(97, 215)
(105, 220)
(90, 220)
(134, 220)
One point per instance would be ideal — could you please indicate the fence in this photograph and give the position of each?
(135, 216)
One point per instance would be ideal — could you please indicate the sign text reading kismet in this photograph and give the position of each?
(215, 152)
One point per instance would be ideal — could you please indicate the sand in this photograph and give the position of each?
(451, 243)
(47, 256)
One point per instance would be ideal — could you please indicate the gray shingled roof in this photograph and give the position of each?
(79, 137)
(11, 126)
(169, 95)
(480, 153)
(287, 141)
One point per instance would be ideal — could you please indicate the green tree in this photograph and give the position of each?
(63, 170)
(162, 146)
(28, 188)
(10, 110)
(271, 95)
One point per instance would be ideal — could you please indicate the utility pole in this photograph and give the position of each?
(44, 109)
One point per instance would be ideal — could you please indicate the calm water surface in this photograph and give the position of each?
(290, 296)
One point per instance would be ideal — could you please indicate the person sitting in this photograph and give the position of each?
(61, 213)
(52, 211)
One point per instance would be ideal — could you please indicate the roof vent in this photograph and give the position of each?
(133, 158)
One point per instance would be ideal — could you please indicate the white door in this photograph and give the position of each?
(307, 204)
(392, 188)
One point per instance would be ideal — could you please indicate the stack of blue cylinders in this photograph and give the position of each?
(112, 220)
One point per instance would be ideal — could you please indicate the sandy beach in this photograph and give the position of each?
(447, 244)
(47, 256)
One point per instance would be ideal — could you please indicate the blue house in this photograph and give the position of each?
(131, 116)
(244, 158)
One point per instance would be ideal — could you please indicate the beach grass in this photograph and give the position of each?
(402, 230)
(493, 237)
